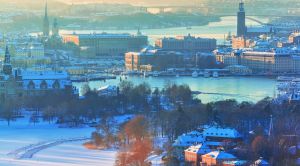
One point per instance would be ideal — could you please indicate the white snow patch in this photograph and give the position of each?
(24, 144)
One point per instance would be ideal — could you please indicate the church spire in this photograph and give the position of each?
(7, 56)
(46, 22)
(46, 9)
(7, 68)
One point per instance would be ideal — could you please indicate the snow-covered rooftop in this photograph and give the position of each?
(219, 155)
(106, 35)
(221, 132)
(199, 149)
(45, 75)
(108, 88)
(189, 139)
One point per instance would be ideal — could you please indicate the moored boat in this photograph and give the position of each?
(215, 74)
(195, 74)
(206, 74)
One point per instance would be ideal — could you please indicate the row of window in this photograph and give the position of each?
(43, 85)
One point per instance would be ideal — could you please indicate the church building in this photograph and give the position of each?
(17, 83)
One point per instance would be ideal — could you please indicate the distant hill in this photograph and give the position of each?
(91, 14)
(214, 6)
(31, 4)
(182, 2)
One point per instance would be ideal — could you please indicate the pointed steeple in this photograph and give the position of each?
(46, 9)
(7, 56)
(46, 22)
(7, 68)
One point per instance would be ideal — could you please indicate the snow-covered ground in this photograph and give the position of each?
(23, 144)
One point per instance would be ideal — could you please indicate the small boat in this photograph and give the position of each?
(195, 74)
(206, 74)
(188, 27)
(145, 74)
(215, 74)
(285, 78)
(155, 74)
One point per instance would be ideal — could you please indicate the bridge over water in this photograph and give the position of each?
(162, 9)
(256, 20)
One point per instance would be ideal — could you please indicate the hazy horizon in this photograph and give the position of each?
(161, 2)
(134, 2)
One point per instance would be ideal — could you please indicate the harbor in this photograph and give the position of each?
(85, 78)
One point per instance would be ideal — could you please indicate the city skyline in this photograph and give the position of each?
(149, 2)
(149, 83)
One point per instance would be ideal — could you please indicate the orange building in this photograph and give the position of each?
(193, 153)
(240, 42)
(71, 39)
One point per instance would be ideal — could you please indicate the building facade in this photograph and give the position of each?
(187, 44)
(149, 60)
(272, 61)
(240, 42)
(28, 54)
(267, 61)
(101, 45)
(193, 153)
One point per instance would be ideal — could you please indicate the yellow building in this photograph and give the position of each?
(25, 62)
(76, 70)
